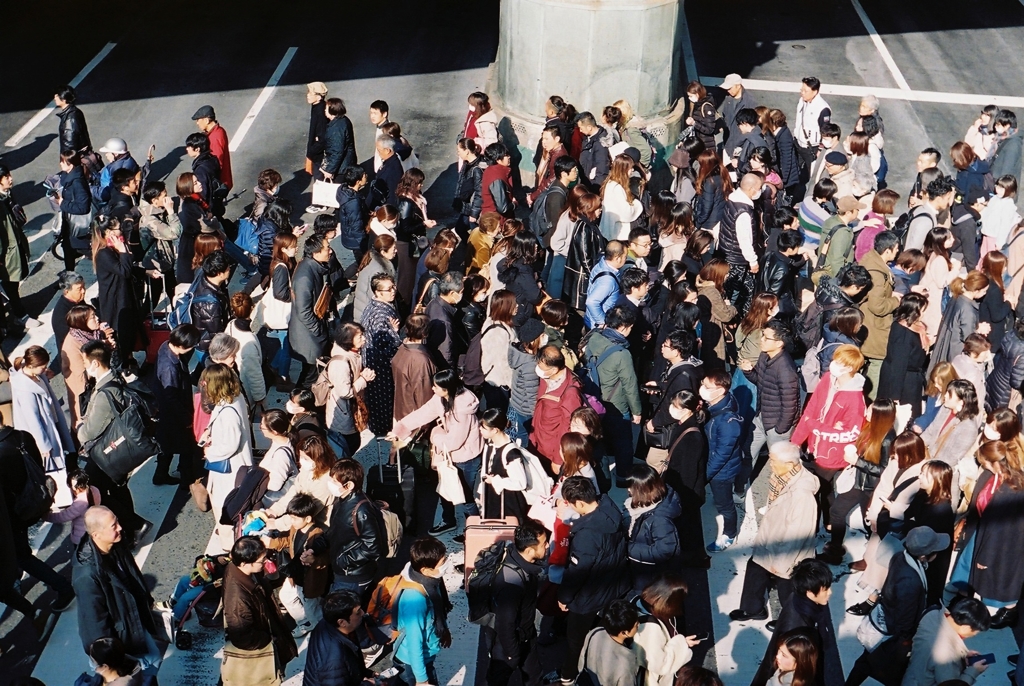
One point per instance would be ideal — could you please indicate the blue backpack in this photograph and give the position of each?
(248, 239)
(182, 311)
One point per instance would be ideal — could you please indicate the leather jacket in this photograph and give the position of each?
(410, 221)
(210, 317)
(586, 247)
(356, 541)
(469, 188)
(74, 133)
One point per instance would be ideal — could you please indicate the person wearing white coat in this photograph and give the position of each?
(38, 411)
(662, 649)
(226, 439)
(617, 211)
(249, 359)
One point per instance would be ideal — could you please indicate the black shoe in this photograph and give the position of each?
(770, 626)
(1012, 659)
(461, 538)
(831, 555)
(1004, 617)
(741, 616)
(441, 528)
(461, 569)
(165, 479)
(63, 603)
(622, 483)
(861, 609)
(144, 529)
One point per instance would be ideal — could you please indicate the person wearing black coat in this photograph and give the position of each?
(1008, 370)
(339, 141)
(12, 482)
(807, 608)
(72, 131)
(515, 604)
(521, 280)
(654, 540)
(997, 313)
(207, 169)
(315, 140)
(469, 197)
(113, 599)
(683, 372)
(787, 161)
(174, 397)
(902, 376)
(595, 160)
(687, 475)
(75, 201)
(333, 656)
(308, 333)
(586, 248)
(704, 116)
(964, 226)
(211, 305)
(115, 276)
(390, 172)
(780, 272)
(598, 570)
(709, 204)
(778, 397)
(355, 538)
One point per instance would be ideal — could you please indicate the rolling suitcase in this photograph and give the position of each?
(394, 484)
(483, 533)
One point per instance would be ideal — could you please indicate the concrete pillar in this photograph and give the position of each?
(591, 52)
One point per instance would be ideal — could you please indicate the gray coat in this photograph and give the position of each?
(37, 411)
(958, 322)
(524, 380)
(307, 333)
(730, 107)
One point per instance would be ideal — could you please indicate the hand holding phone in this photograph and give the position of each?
(987, 658)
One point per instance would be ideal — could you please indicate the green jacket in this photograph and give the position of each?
(14, 266)
(838, 251)
(618, 379)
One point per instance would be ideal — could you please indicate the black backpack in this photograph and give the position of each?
(540, 222)
(250, 487)
(480, 586)
(36, 496)
(902, 224)
(128, 441)
(472, 371)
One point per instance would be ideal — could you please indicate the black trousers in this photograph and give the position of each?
(826, 492)
(307, 375)
(756, 583)
(807, 156)
(577, 626)
(500, 669)
(842, 506)
(11, 289)
(117, 497)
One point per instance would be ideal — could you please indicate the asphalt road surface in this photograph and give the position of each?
(146, 68)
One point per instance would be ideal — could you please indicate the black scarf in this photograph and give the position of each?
(438, 595)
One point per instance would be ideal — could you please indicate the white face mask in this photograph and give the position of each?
(836, 369)
(991, 434)
(447, 568)
(540, 372)
(292, 408)
(675, 412)
(305, 464)
(472, 108)
(692, 98)
(756, 195)
(705, 393)
(334, 487)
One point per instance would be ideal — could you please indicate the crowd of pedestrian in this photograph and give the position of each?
(585, 358)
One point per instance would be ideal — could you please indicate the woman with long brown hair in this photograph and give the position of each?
(411, 232)
(959, 318)
(716, 313)
(277, 304)
(902, 377)
(763, 307)
(713, 186)
(993, 309)
(992, 540)
(586, 247)
(192, 212)
(619, 207)
(796, 663)
(868, 458)
(664, 649)
(933, 507)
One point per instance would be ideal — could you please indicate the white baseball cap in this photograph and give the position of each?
(731, 80)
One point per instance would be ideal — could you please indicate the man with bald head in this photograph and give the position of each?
(112, 597)
(736, 239)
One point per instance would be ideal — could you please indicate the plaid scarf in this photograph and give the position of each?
(776, 483)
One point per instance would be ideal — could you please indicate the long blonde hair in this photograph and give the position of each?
(622, 165)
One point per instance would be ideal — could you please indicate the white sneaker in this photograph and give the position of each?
(301, 629)
(316, 209)
(739, 498)
(29, 322)
(721, 544)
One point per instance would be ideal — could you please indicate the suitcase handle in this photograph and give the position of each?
(380, 466)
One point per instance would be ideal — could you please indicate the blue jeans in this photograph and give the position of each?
(618, 435)
(554, 274)
(721, 492)
(282, 361)
(517, 426)
(345, 445)
(470, 473)
(183, 596)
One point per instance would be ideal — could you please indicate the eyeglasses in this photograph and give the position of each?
(766, 337)
(386, 290)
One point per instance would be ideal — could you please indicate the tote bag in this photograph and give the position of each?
(276, 313)
(325, 193)
(449, 485)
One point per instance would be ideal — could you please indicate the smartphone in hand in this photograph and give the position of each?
(987, 658)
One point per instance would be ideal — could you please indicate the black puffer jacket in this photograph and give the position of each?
(1007, 372)
(74, 133)
(705, 120)
(352, 217)
(210, 317)
(654, 546)
(709, 205)
(778, 398)
(207, 170)
(109, 589)
(339, 146)
(469, 197)
(74, 192)
(356, 543)
(787, 162)
(597, 573)
(522, 282)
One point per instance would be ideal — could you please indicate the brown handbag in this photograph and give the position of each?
(360, 413)
(323, 302)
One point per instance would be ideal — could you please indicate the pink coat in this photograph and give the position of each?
(457, 431)
(75, 513)
(830, 422)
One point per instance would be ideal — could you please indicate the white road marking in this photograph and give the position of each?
(880, 45)
(45, 112)
(265, 95)
(884, 93)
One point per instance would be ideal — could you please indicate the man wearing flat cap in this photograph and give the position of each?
(206, 119)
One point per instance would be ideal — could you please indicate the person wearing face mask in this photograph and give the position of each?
(686, 473)
(504, 470)
(701, 114)
(973, 362)
(558, 396)
(724, 430)
(421, 612)
(356, 538)
(682, 372)
(833, 419)
(522, 359)
(315, 461)
(305, 421)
